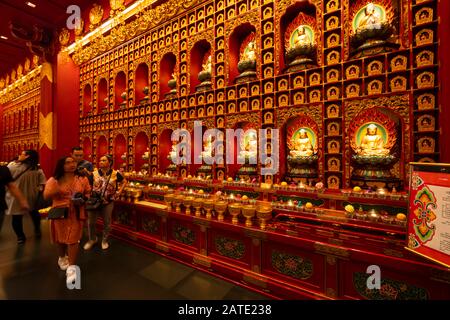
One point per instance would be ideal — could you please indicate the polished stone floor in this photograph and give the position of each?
(30, 271)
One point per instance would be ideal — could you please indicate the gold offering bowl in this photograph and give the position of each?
(235, 210)
(188, 203)
(208, 204)
(264, 213)
(248, 211)
(178, 200)
(197, 204)
(169, 199)
(137, 193)
(220, 207)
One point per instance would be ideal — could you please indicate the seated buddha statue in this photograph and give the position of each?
(207, 67)
(372, 144)
(249, 53)
(371, 19)
(207, 148)
(302, 146)
(250, 147)
(302, 38)
(173, 154)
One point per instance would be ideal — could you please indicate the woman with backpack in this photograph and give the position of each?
(30, 180)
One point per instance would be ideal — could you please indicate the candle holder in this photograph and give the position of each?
(220, 207)
(208, 205)
(263, 213)
(248, 211)
(235, 210)
(187, 203)
(178, 200)
(168, 199)
(197, 204)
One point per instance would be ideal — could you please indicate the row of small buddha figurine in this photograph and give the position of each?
(372, 144)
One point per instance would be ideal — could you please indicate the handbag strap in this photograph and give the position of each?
(20, 174)
(106, 185)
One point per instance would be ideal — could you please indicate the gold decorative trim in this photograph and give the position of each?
(201, 260)
(95, 44)
(47, 72)
(255, 234)
(331, 250)
(27, 83)
(258, 281)
(162, 247)
(331, 260)
(46, 130)
(393, 253)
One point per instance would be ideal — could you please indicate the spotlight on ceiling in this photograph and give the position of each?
(30, 4)
(3, 37)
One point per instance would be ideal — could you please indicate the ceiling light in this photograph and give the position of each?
(4, 38)
(30, 4)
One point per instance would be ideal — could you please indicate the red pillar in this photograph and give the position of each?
(66, 95)
(444, 75)
(46, 122)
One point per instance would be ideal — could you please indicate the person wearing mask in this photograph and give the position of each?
(30, 179)
(6, 180)
(64, 188)
(106, 183)
(84, 167)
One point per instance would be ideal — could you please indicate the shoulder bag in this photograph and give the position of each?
(95, 202)
(58, 213)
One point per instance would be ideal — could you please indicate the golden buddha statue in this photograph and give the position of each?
(372, 144)
(207, 67)
(302, 146)
(173, 152)
(302, 38)
(207, 148)
(371, 18)
(249, 52)
(250, 145)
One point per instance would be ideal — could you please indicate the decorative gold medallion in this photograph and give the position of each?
(95, 16)
(64, 37)
(26, 66)
(116, 6)
(35, 61)
(80, 29)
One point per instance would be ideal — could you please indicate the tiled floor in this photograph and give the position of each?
(30, 271)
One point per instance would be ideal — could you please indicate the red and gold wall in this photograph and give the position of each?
(162, 41)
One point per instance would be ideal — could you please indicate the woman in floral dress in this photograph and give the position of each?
(66, 233)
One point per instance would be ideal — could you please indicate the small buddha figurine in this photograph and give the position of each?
(302, 146)
(207, 67)
(249, 52)
(250, 145)
(302, 38)
(371, 19)
(173, 152)
(207, 148)
(372, 144)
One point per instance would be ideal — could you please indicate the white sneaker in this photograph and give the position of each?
(88, 245)
(71, 274)
(105, 245)
(63, 262)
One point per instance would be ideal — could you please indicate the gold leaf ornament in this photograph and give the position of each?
(116, 6)
(64, 37)
(95, 15)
